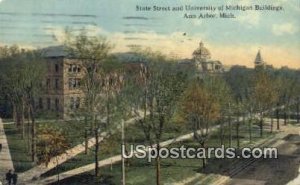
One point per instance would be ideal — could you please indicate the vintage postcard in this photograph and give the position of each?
(158, 92)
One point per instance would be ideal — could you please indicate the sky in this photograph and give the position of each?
(41, 23)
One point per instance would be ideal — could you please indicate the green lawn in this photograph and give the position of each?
(20, 148)
(140, 172)
(111, 146)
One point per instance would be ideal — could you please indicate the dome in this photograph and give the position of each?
(202, 52)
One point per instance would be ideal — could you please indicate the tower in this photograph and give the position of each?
(259, 62)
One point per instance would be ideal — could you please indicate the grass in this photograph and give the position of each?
(111, 147)
(20, 149)
(75, 132)
(139, 171)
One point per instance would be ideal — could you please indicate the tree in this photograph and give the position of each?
(240, 80)
(23, 76)
(264, 94)
(160, 84)
(223, 95)
(200, 109)
(51, 142)
(287, 88)
(101, 81)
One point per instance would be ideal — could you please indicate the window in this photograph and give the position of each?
(77, 105)
(71, 103)
(74, 83)
(70, 68)
(74, 68)
(56, 68)
(48, 103)
(57, 104)
(48, 83)
(77, 82)
(41, 103)
(56, 83)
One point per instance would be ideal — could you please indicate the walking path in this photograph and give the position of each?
(5, 157)
(111, 160)
(37, 171)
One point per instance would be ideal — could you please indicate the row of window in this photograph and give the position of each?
(48, 104)
(74, 68)
(74, 103)
(74, 83)
(56, 83)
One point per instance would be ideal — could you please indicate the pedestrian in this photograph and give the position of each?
(14, 178)
(0, 147)
(8, 177)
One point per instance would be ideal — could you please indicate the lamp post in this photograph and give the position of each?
(97, 130)
(123, 159)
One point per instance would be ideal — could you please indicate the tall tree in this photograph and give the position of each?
(160, 83)
(200, 109)
(264, 94)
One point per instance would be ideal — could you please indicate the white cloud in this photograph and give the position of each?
(179, 45)
(286, 28)
(249, 18)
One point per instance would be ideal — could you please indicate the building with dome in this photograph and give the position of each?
(203, 62)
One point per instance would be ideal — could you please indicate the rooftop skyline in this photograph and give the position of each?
(34, 23)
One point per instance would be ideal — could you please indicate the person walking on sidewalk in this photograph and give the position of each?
(14, 177)
(8, 177)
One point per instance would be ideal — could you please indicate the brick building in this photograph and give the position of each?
(62, 93)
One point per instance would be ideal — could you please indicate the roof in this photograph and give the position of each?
(202, 52)
(258, 59)
(54, 51)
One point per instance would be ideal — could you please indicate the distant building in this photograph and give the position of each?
(62, 92)
(259, 62)
(202, 61)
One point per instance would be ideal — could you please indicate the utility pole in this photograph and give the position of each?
(230, 130)
(298, 109)
(86, 141)
(277, 116)
(97, 151)
(123, 159)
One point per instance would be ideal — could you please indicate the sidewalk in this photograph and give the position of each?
(108, 161)
(5, 157)
(37, 171)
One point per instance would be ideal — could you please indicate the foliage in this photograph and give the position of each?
(200, 107)
(50, 143)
